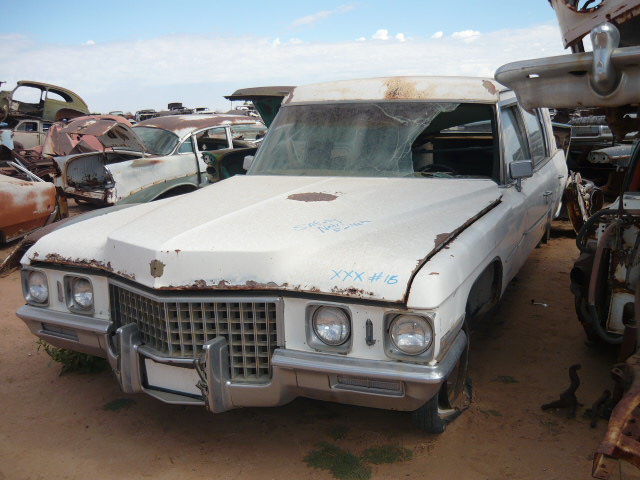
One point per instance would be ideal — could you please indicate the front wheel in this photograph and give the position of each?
(453, 398)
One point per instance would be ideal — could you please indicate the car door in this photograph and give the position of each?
(526, 198)
(549, 175)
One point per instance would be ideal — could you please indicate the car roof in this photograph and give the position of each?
(472, 89)
(183, 124)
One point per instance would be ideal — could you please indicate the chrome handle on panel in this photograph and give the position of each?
(547, 196)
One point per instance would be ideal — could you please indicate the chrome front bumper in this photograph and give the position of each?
(372, 383)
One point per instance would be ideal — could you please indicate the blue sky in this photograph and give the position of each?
(144, 54)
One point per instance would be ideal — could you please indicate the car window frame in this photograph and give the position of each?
(510, 104)
(536, 113)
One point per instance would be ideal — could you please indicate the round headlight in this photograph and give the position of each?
(82, 292)
(37, 288)
(411, 334)
(331, 325)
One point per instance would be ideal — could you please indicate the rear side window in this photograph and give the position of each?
(27, 127)
(536, 138)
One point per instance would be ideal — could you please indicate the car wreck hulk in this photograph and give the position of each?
(377, 220)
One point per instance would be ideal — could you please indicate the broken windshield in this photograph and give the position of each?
(156, 140)
(380, 139)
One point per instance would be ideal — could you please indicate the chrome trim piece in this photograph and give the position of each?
(70, 301)
(314, 341)
(392, 351)
(71, 321)
(382, 369)
(178, 326)
(24, 274)
(567, 80)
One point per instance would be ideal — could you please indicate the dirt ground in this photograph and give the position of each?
(57, 427)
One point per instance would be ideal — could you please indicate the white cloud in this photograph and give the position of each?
(360, 39)
(276, 42)
(400, 37)
(150, 73)
(381, 34)
(466, 36)
(295, 41)
(89, 42)
(437, 35)
(315, 17)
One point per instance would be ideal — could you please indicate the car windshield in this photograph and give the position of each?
(157, 140)
(381, 139)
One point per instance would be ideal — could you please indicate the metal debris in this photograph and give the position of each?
(568, 398)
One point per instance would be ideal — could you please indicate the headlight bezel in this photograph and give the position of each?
(27, 272)
(73, 305)
(393, 351)
(315, 341)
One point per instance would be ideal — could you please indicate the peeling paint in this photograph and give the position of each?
(491, 88)
(79, 262)
(312, 197)
(157, 268)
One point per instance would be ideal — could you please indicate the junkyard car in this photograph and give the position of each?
(156, 158)
(24, 206)
(29, 132)
(379, 218)
(41, 100)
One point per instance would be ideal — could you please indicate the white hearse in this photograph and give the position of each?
(378, 218)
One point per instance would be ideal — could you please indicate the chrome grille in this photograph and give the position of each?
(179, 327)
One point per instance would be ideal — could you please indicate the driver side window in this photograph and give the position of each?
(514, 141)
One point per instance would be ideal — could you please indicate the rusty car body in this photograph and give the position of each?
(605, 280)
(378, 218)
(24, 206)
(41, 100)
(159, 157)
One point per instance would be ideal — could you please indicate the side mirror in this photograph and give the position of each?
(248, 161)
(520, 169)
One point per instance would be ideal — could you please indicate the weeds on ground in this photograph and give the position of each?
(386, 454)
(347, 466)
(342, 464)
(338, 432)
(73, 361)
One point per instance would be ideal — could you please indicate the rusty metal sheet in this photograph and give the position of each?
(24, 206)
(110, 131)
(622, 440)
(576, 22)
(81, 135)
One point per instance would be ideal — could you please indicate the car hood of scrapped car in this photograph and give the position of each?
(355, 237)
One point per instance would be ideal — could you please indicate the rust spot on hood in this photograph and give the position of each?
(312, 197)
(157, 268)
(491, 88)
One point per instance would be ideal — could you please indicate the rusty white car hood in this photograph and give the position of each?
(358, 237)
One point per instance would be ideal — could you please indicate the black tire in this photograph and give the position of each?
(453, 398)
(582, 313)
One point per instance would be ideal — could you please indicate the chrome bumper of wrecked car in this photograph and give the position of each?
(372, 383)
